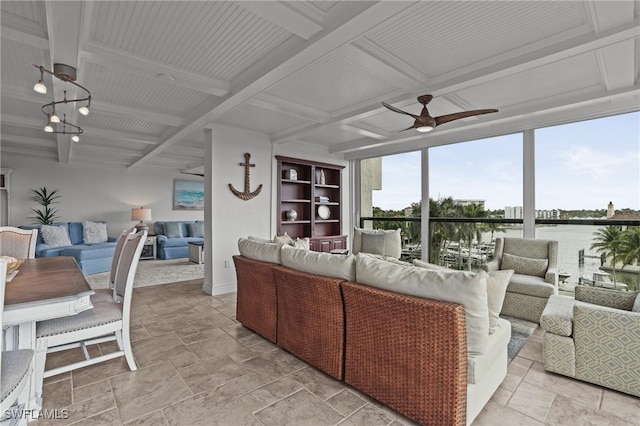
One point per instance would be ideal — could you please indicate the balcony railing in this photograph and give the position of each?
(447, 248)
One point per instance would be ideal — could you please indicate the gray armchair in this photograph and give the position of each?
(535, 278)
(594, 338)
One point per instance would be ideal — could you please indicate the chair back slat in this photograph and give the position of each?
(116, 255)
(128, 264)
(3, 283)
(18, 243)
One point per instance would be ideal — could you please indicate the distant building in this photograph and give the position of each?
(469, 202)
(547, 214)
(610, 210)
(513, 212)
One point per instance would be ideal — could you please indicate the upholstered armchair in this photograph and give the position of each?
(594, 337)
(18, 243)
(535, 278)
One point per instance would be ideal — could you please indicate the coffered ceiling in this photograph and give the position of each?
(311, 72)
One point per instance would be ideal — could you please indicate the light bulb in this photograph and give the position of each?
(54, 118)
(48, 128)
(84, 110)
(424, 129)
(40, 87)
(75, 138)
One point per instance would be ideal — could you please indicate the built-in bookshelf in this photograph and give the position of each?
(314, 191)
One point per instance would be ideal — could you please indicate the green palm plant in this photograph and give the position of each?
(607, 240)
(630, 246)
(47, 214)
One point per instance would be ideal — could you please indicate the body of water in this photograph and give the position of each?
(571, 239)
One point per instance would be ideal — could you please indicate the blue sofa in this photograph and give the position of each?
(176, 247)
(92, 258)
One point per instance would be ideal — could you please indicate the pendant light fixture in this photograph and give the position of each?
(67, 74)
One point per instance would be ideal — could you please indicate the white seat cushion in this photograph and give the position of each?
(256, 250)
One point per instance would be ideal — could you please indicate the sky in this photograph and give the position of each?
(580, 165)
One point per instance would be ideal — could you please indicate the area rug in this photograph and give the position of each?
(521, 330)
(154, 272)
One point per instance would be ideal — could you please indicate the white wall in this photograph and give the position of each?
(95, 191)
(108, 193)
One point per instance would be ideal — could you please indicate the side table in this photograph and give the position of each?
(196, 251)
(149, 248)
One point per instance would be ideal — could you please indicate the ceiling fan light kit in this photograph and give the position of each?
(425, 122)
(67, 74)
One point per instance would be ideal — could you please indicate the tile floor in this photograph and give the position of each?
(199, 366)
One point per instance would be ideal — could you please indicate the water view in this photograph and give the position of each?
(571, 239)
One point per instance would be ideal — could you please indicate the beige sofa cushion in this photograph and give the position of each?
(497, 282)
(466, 288)
(313, 262)
(256, 250)
(392, 241)
(478, 365)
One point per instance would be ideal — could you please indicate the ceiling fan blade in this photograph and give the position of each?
(399, 111)
(458, 115)
(408, 128)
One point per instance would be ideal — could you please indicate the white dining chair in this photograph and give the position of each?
(17, 242)
(107, 321)
(107, 294)
(15, 371)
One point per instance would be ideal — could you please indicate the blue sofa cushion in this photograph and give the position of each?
(173, 230)
(196, 229)
(93, 251)
(44, 250)
(178, 242)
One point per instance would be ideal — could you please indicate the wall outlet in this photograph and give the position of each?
(227, 264)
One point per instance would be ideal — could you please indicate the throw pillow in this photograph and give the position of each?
(173, 229)
(256, 250)
(94, 232)
(196, 229)
(302, 243)
(373, 243)
(261, 240)
(466, 288)
(525, 265)
(55, 236)
(392, 243)
(313, 262)
(636, 305)
(497, 282)
(283, 239)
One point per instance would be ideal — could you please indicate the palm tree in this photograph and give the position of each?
(630, 246)
(471, 230)
(607, 240)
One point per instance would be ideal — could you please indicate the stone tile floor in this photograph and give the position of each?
(197, 365)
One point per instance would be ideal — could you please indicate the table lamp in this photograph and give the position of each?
(141, 214)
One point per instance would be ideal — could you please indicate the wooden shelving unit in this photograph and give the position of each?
(303, 194)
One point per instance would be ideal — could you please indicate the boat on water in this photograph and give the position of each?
(602, 279)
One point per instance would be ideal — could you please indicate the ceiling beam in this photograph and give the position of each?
(489, 71)
(529, 116)
(274, 103)
(280, 14)
(325, 42)
(128, 62)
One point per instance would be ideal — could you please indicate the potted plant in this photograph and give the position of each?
(47, 214)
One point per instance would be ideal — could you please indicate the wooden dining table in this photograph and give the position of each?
(44, 288)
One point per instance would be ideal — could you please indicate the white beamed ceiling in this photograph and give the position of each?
(309, 72)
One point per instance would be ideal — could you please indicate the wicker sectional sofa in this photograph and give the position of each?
(410, 353)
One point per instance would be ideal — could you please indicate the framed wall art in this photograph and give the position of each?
(188, 195)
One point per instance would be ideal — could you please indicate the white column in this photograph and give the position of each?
(529, 184)
(425, 243)
(207, 287)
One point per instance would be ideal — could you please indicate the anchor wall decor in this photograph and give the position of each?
(247, 194)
